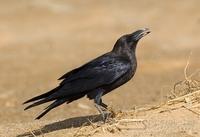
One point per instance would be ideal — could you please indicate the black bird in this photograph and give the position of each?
(97, 77)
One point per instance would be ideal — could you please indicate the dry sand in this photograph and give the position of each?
(42, 39)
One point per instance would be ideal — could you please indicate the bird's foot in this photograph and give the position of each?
(107, 115)
(103, 112)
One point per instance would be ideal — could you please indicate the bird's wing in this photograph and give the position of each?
(70, 75)
(103, 70)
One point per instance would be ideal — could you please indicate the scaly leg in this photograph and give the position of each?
(100, 105)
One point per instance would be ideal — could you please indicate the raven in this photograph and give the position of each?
(95, 78)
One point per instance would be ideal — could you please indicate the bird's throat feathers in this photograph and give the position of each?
(124, 49)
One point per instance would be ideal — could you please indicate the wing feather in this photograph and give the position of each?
(95, 74)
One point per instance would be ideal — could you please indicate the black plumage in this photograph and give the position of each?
(97, 77)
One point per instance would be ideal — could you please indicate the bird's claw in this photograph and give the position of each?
(103, 112)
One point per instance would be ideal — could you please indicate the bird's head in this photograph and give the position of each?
(130, 41)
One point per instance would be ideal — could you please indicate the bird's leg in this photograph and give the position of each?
(99, 105)
(101, 112)
(105, 107)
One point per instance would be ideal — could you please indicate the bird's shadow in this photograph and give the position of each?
(65, 124)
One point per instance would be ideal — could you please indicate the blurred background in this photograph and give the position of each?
(42, 39)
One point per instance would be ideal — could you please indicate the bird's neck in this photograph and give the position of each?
(128, 52)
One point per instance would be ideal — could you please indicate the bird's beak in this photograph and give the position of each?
(140, 33)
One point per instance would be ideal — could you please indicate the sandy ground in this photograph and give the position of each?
(177, 123)
(41, 40)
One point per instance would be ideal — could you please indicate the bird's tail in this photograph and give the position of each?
(46, 97)
(50, 96)
(51, 106)
(59, 102)
(43, 95)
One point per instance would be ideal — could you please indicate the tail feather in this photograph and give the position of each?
(51, 106)
(42, 96)
(53, 95)
(38, 103)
